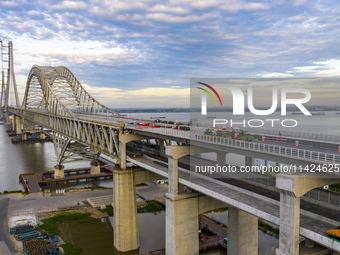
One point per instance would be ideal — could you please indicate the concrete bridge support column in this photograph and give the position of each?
(95, 168)
(221, 158)
(182, 209)
(309, 243)
(122, 153)
(182, 224)
(59, 172)
(292, 187)
(242, 232)
(161, 147)
(13, 122)
(249, 161)
(173, 176)
(123, 140)
(42, 135)
(289, 225)
(24, 136)
(126, 237)
(18, 124)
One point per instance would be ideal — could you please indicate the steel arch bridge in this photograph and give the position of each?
(56, 100)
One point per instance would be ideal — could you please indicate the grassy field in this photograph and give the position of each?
(49, 224)
(268, 229)
(153, 206)
(69, 249)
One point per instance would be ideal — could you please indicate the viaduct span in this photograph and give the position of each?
(83, 128)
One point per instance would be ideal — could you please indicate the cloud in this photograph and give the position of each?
(146, 97)
(178, 19)
(69, 5)
(235, 6)
(8, 4)
(134, 44)
(297, 18)
(329, 68)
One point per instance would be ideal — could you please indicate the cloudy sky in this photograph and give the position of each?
(142, 53)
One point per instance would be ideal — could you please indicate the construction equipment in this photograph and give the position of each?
(334, 234)
(39, 246)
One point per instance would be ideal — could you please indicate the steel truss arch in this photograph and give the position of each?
(56, 91)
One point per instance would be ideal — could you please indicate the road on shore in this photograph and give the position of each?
(5, 240)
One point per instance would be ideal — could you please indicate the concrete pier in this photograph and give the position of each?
(95, 168)
(309, 243)
(183, 208)
(221, 158)
(59, 172)
(161, 147)
(13, 122)
(242, 232)
(173, 176)
(249, 161)
(174, 153)
(18, 124)
(126, 235)
(123, 140)
(289, 225)
(292, 187)
(182, 224)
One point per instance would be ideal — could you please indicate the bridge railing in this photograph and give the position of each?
(329, 196)
(273, 149)
(324, 136)
(165, 131)
(327, 158)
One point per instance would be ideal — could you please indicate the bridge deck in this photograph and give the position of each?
(254, 203)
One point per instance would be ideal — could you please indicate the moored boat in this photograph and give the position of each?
(318, 113)
(297, 113)
(143, 124)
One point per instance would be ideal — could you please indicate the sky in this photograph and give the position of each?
(142, 53)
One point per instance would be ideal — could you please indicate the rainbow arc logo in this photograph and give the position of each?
(204, 97)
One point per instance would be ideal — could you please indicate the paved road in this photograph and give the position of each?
(40, 201)
(32, 183)
(220, 230)
(5, 239)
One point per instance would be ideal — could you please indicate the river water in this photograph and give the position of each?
(16, 159)
(96, 236)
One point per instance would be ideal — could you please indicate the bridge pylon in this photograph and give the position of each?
(7, 80)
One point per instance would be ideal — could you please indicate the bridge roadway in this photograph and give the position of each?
(259, 202)
(239, 182)
(321, 145)
(96, 131)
